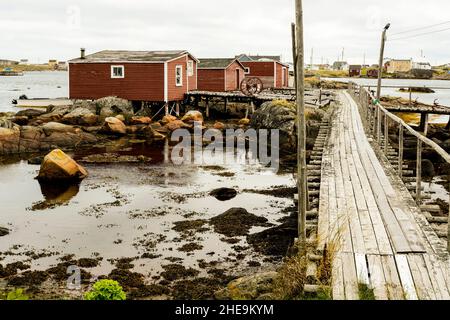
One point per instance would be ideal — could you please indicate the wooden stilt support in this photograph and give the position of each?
(419, 172)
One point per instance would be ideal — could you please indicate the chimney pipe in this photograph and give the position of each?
(83, 51)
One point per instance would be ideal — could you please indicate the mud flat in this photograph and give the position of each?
(152, 226)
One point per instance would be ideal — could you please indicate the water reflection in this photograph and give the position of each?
(56, 194)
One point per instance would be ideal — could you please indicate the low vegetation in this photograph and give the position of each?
(365, 292)
(17, 294)
(106, 290)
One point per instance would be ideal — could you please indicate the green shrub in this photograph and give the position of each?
(16, 295)
(106, 290)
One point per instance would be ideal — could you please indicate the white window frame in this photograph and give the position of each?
(117, 77)
(247, 70)
(190, 68)
(179, 84)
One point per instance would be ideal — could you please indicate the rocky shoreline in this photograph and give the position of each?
(30, 134)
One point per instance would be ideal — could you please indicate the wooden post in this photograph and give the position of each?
(424, 123)
(410, 97)
(419, 172)
(207, 107)
(177, 109)
(301, 128)
(380, 67)
(400, 151)
(378, 125)
(380, 76)
(166, 109)
(448, 233)
(294, 53)
(225, 104)
(386, 133)
(252, 107)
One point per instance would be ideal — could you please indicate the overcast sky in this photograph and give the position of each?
(39, 30)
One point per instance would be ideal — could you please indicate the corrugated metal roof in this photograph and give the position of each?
(114, 56)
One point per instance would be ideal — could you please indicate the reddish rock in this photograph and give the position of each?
(141, 120)
(59, 166)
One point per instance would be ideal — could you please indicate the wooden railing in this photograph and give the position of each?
(377, 120)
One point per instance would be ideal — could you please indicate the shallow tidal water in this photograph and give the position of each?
(127, 210)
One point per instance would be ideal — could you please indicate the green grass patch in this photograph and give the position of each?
(365, 292)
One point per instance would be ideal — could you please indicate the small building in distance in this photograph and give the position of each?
(53, 63)
(24, 61)
(62, 65)
(354, 70)
(269, 69)
(340, 66)
(220, 75)
(139, 76)
(5, 62)
(399, 65)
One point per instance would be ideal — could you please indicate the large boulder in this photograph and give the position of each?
(177, 124)
(9, 140)
(141, 120)
(54, 114)
(52, 127)
(59, 166)
(30, 113)
(168, 119)
(253, 287)
(81, 116)
(193, 116)
(113, 106)
(114, 126)
(281, 115)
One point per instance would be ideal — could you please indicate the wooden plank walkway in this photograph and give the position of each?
(379, 239)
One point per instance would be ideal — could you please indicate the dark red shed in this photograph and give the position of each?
(150, 76)
(272, 72)
(220, 74)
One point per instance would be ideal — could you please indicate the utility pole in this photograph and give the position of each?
(380, 67)
(312, 58)
(343, 51)
(301, 129)
(294, 53)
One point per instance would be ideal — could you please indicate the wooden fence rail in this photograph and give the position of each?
(373, 114)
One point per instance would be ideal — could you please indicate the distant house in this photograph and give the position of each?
(24, 61)
(220, 74)
(53, 64)
(272, 72)
(372, 73)
(421, 65)
(340, 66)
(150, 76)
(62, 65)
(5, 62)
(354, 70)
(395, 65)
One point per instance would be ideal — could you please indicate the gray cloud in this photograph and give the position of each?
(45, 29)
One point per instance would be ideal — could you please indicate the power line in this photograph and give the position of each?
(419, 35)
(422, 28)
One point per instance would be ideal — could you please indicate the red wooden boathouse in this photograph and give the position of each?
(146, 76)
(272, 72)
(220, 75)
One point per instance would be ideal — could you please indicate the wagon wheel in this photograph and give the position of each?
(251, 86)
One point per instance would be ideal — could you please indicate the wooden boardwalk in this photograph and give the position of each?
(369, 216)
